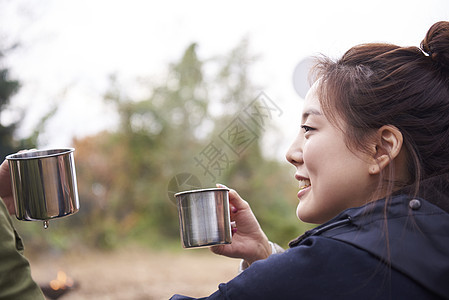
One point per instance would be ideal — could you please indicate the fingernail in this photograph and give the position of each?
(234, 209)
(219, 185)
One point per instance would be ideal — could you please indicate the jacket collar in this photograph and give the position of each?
(409, 234)
(434, 189)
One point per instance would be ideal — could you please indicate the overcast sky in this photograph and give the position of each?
(70, 47)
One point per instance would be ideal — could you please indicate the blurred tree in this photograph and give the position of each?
(8, 87)
(10, 41)
(133, 164)
(124, 174)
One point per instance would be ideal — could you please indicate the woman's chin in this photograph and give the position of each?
(301, 213)
(307, 216)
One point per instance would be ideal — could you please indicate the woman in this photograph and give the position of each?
(372, 161)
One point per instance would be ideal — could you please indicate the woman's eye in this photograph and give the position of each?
(306, 128)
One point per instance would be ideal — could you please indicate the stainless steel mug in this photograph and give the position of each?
(204, 218)
(44, 184)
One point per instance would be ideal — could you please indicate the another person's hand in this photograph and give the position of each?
(249, 242)
(6, 188)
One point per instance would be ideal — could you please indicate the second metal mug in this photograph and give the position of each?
(204, 218)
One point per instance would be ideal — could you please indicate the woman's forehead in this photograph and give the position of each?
(311, 104)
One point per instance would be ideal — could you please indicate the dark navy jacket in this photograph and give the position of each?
(359, 255)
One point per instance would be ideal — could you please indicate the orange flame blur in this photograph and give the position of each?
(61, 281)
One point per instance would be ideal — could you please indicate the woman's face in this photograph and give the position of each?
(331, 177)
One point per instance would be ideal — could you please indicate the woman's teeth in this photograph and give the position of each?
(304, 184)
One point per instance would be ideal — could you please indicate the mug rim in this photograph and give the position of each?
(39, 154)
(201, 191)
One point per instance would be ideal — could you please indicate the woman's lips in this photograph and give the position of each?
(302, 191)
(304, 186)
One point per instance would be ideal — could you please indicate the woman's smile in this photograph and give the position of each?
(304, 186)
(303, 190)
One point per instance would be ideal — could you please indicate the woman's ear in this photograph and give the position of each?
(387, 146)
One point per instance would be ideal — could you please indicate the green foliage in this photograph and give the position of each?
(8, 88)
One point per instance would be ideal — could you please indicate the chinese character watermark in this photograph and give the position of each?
(217, 156)
(262, 109)
(238, 136)
(243, 131)
(212, 160)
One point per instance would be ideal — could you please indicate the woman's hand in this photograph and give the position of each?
(249, 242)
(6, 188)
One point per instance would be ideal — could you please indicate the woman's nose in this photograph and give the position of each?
(294, 154)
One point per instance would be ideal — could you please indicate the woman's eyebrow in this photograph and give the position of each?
(309, 112)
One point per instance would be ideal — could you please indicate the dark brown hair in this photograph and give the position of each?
(378, 84)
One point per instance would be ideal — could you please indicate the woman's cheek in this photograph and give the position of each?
(308, 153)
